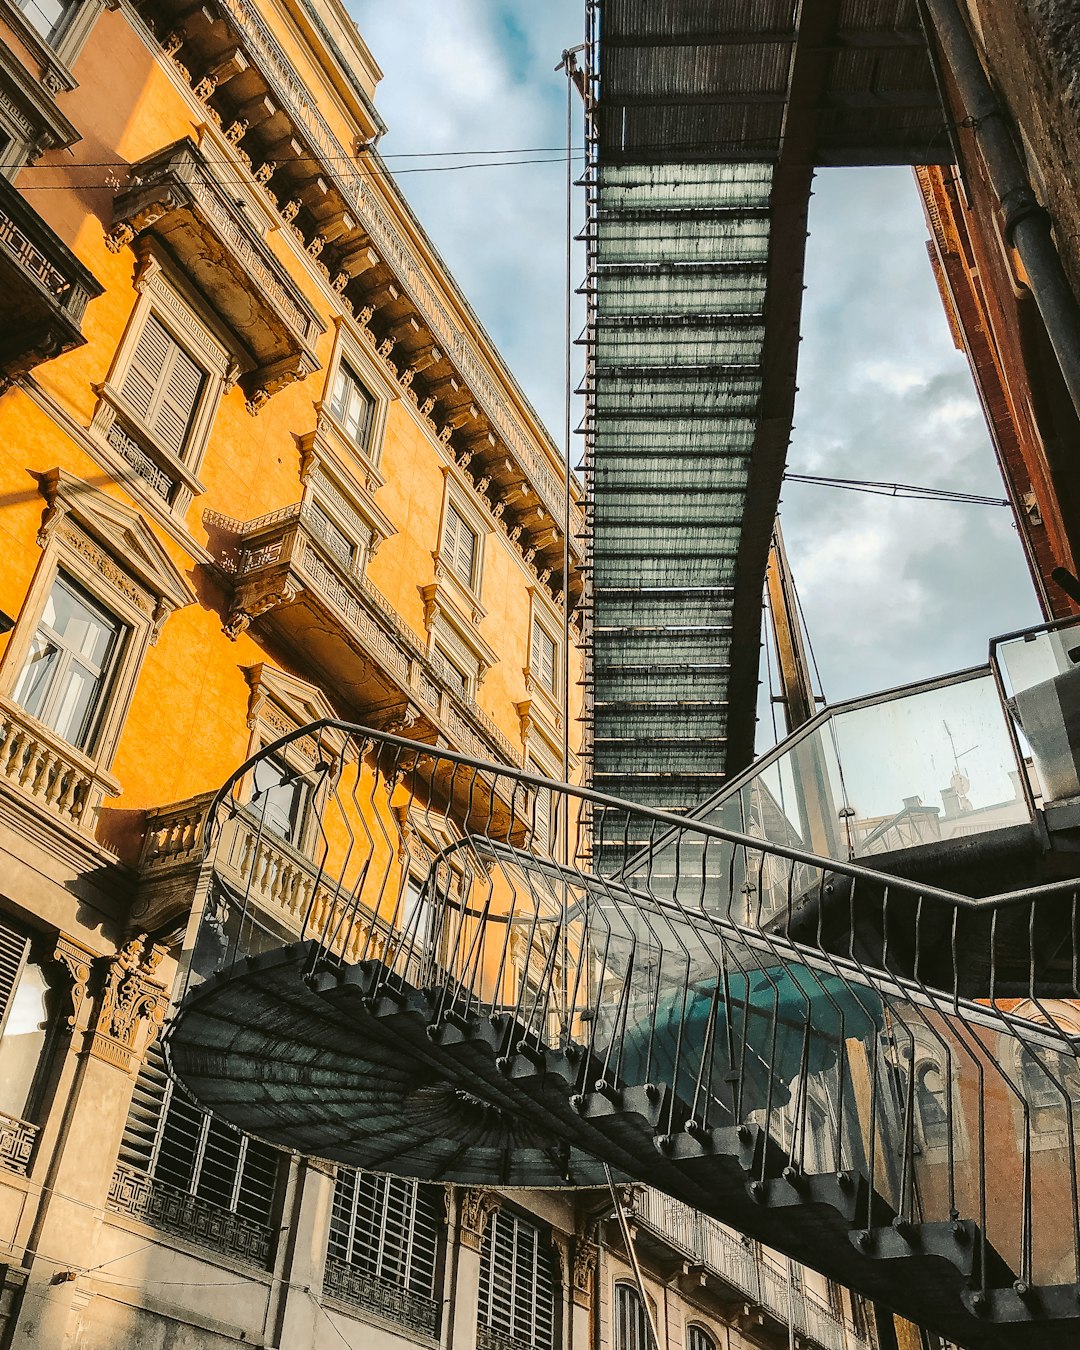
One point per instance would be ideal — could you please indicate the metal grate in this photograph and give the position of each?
(385, 1235)
(194, 1153)
(699, 1339)
(517, 1286)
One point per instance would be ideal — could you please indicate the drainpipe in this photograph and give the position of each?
(1027, 225)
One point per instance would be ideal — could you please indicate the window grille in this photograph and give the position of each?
(162, 385)
(517, 1285)
(543, 656)
(631, 1322)
(191, 1152)
(384, 1244)
(699, 1339)
(460, 546)
(352, 405)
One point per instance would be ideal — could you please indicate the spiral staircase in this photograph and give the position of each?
(446, 1001)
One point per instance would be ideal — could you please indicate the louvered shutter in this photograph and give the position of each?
(517, 1283)
(144, 375)
(179, 395)
(13, 949)
(162, 384)
(631, 1324)
(543, 646)
(460, 546)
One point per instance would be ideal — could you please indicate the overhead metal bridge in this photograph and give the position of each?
(705, 124)
(890, 1097)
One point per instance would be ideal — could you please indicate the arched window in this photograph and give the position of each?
(931, 1099)
(517, 1285)
(1047, 1076)
(631, 1320)
(697, 1338)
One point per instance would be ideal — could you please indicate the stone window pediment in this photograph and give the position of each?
(123, 534)
(176, 197)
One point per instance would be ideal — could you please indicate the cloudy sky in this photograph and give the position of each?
(892, 590)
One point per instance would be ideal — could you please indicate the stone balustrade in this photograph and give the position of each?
(49, 772)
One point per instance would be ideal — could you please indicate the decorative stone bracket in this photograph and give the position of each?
(475, 1208)
(133, 1005)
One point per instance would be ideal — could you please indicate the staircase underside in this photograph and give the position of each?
(295, 1050)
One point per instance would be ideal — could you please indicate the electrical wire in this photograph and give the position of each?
(910, 491)
(245, 183)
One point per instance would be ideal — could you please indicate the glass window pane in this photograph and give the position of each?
(278, 798)
(47, 16)
(23, 1040)
(37, 674)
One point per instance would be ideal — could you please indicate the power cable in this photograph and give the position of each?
(245, 183)
(910, 491)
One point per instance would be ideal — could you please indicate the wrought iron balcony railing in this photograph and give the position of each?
(710, 1246)
(188, 1216)
(44, 289)
(17, 1140)
(405, 1306)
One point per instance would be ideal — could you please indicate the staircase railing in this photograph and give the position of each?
(919, 1082)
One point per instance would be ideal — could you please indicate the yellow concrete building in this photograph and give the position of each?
(260, 466)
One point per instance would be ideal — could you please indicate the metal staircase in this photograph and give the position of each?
(451, 1003)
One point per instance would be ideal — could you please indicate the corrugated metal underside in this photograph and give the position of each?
(678, 330)
(708, 120)
(703, 79)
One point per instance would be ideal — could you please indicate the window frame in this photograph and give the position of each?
(537, 625)
(92, 718)
(112, 555)
(456, 499)
(35, 952)
(699, 1337)
(542, 1252)
(345, 371)
(163, 299)
(360, 459)
(627, 1293)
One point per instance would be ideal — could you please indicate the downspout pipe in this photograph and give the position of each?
(1027, 224)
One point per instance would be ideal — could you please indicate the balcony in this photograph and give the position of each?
(44, 289)
(17, 1139)
(732, 1267)
(177, 198)
(281, 882)
(289, 576)
(166, 1207)
(349, 1284)
(48, 773)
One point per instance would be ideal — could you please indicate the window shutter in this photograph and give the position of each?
(162, 384)
(144, 374)
(13, 949)
(543, 646)
(178, 399)
(152, 1088)
(460, 546)
(517, 1284)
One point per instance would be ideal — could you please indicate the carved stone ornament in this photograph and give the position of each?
(475, 1208)
(133, 1004)
(426, 406)
(583, 1268)
(173, 41)
(205, 87)
(386, 346)
(289, 210)
(265, 172)
(364, 317)
(445, 434)
(236, 131)
(318, 243)
(78, 961)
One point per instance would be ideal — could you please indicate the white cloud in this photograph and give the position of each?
(893, 591)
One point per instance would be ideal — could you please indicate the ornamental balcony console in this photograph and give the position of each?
(44, 289)
(291, 574)
(176, 197)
